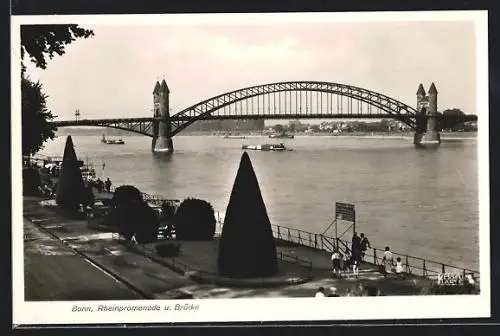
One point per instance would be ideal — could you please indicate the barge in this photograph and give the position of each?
(282, 136)
(267, 147)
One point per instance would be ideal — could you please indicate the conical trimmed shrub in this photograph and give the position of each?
(71, 189)
(247, 248)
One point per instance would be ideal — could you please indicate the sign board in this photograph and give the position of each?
(345, 211)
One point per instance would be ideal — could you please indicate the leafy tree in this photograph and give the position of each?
(36, 117)
(195, 220)
(449, 122)
(40, 42)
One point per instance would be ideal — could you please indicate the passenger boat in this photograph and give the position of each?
(282, 136)
(112, 141)
(267, 147)
(234, 137)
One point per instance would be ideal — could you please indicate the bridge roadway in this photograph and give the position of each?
(104, 122)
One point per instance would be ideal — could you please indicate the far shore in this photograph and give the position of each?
(374, 135)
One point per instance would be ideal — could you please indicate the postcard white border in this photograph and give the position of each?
(256, 309)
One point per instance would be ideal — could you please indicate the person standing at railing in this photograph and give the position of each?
(387, 261)
(399, 268)
(364, 244)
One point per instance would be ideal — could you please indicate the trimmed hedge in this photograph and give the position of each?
(125, 194)
(70, 189)
(31, 181)
(168, 250)
(247, 248)
(132, 215)
(195, 220)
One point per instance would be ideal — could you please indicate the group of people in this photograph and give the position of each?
(100, 185)
(321, 292)
(355, 290)
(350, 258)
(389, 267)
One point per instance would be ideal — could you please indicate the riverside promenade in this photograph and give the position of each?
(98, 267)
(53, 272)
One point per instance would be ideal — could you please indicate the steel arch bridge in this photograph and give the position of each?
(283, 100)
(392, 107)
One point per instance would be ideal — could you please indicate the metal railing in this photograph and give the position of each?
(413, 265)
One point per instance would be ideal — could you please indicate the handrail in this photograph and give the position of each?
(413, 265)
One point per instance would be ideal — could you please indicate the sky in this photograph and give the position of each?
(113, 73)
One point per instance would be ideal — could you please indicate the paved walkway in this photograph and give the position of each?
(141, 272)
(53, 272)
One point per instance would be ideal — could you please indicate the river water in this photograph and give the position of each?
(419, 202)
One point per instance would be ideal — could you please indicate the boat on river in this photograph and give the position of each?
(267, 147)
(112, 141)
(281, 136)
(234, 137)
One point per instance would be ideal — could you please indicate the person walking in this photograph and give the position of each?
(336, 262)
(356, 262)
(364, 244)
(356, 243)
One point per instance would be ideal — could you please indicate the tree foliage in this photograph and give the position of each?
(449, 122)
(278, 128)
(36, 117)
(195, 220)
(42, 41)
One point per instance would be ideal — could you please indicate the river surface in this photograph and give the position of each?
(419, 202)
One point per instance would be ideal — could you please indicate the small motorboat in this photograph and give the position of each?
(267, 147)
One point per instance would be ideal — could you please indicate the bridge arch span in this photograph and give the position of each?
(200, 111)
(135, 125)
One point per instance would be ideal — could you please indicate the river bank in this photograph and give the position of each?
(111, 132)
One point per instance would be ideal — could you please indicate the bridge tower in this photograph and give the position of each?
(427, 132)
(162, 130)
